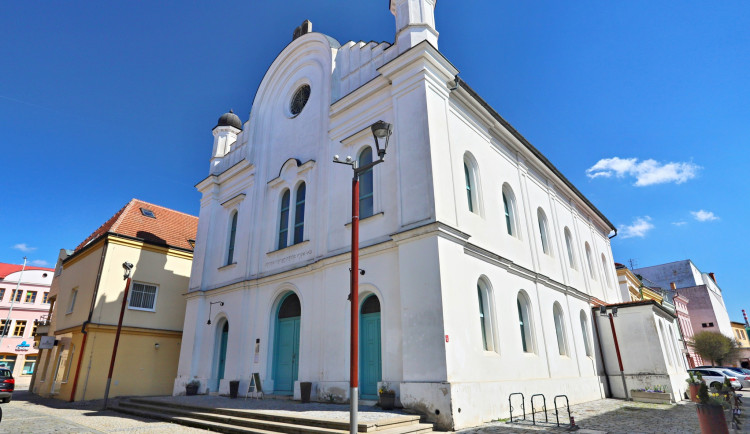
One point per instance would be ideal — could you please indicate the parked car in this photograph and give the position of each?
(7, 384)
(742, 374)
(713, 376)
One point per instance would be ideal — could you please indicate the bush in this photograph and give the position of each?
(713, 346)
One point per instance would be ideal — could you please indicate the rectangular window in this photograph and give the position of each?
(45, 297)
(4, 327)
(16, 295)
(2, 293)
(73, 295)
(33, 330)
(710, 324)
(30, 296)
(28, 365)
(704, 325)
(143, 296)
(20, 328)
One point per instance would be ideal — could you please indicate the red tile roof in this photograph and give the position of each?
(170, 227)
(6, 269)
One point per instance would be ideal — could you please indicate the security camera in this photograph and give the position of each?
(361, 272)
(335, 158)
(128, 267)
(348, 159)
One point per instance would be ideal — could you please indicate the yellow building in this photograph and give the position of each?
(743, 344)
(87, 295)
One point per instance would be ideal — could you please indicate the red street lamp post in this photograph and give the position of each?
(380, 130)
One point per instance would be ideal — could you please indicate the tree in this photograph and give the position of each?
(713, 346)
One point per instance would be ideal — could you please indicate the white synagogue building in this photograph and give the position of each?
(482, 261)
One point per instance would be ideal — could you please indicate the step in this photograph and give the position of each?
(245, 422)
(189, 421)
(267, 415)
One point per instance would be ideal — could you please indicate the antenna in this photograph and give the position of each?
(633, 263)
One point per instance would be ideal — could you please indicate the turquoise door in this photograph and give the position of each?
(286, 346)
(222, 355)
(370, 365)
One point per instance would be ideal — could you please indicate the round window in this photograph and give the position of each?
(299, 99)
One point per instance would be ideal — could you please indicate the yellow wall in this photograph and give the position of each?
(736, 328)
(141, 369)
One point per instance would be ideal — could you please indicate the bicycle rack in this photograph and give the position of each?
(523, 405)
(557, 413)
(544, 407)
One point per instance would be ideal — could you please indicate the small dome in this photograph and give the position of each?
(229, 120)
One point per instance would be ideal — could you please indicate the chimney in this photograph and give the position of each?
(713, 277)
(673, 285)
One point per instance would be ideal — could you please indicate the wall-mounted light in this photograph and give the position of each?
(603, 310)
(156, 346)
(210, 305)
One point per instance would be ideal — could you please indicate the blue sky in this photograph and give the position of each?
(642, 105)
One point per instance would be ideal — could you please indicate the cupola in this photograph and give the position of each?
(229, 120)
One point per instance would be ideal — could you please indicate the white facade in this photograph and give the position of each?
(648, 339)
(427, 256)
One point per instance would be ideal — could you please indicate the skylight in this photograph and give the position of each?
(148, 213)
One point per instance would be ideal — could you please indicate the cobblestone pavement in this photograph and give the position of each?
(28, 413)
(614, 416)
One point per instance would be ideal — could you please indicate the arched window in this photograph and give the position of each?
(606, 271)
(232, 236)
(585, 333)
(485, 316)
(569, 244)
(544, 231)
(589, 261)
(557, 313)
(509, 206)
(471, 181)
(299, 214)
(667, 350)
(284, 220)
(366, 195)
(524, 321)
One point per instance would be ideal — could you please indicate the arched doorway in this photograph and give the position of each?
(221, 354)
(286, 345)
(370, 364)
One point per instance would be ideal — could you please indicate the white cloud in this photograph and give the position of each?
(24, 248)
(39, 262)
(704, 216)
(639, 228)
(646, 172)
(680, 223)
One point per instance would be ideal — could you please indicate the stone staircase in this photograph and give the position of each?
(228, 420)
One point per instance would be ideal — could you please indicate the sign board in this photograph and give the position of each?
(46, 342)
(255, 385)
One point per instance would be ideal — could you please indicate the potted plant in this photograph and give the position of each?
(652, 394)
(387, 397)
(711, 411)
(694, 382)
(192, 387)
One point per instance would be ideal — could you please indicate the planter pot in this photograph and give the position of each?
(711, 419)
(388, 400)
(191, 390)
(651, 397)
(694, 392)
(305, 388)
(234, 387)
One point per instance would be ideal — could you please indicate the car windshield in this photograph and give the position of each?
(5, 373)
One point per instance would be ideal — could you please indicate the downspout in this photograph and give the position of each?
(614, 234)
(601, 353)
(88, 321)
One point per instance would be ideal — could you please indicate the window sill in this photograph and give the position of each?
(141, 309)
(289, 247)
(372, 217)
(227, 267)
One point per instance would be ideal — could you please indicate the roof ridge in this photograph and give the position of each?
(124, 211)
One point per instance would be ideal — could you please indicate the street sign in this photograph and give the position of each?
(46, 342)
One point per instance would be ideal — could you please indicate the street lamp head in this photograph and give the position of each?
(381, 130)
(128, 267)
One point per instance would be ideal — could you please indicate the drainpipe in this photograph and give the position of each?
(614, 234)
(619, 357)
(88, 321)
